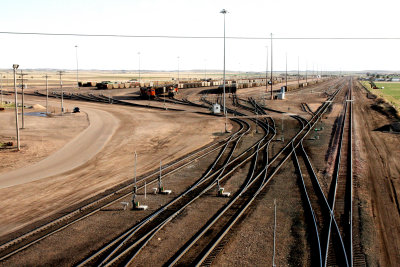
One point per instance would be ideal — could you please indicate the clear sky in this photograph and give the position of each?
(252, 18)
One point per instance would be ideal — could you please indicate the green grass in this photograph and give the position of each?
(4, 105)
(391, 92)
(391, 89)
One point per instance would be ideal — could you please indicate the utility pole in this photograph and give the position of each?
(306, 70)
(60, 72)
(15, 67)
(47, 94)
(271, 66)
(1, 89)
(298, 71)
(77, 69)
(139, 69)
(205, 70)
(178, 71)
(286, 72)
(22, 88)
(266, 72)
(223, 11)
(313, 71)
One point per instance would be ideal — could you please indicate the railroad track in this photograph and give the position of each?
(124, 249)
(341, 190)
(238, 205)
(209, 238)
(306, 108)
(255, 183)
(331, 218)
(121, 251)
(33, 236)
(318, 211)
(101, 99)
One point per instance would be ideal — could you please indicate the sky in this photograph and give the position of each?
(251, 18)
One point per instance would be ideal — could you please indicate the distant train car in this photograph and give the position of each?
(152, 92)
(172, 90)
(147, 92)
(229, 88)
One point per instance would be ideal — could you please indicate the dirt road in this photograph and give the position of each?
(155, 135)
(379, 172)
(75, 153)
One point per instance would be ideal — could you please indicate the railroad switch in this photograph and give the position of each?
(137, 206)
(163, 191)
(125, 205)
(221, 192)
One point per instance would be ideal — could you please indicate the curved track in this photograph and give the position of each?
(29, 238)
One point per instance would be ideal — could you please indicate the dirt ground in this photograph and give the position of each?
(38, 139)
(379, 182)
(166, 135)
(155, 135)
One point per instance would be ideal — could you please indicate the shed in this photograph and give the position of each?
(216, 108)
(281, 95)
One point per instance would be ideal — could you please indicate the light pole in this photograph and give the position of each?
(47, 95)
(1, 89)
(139, 69)
(266, 72)
(15, 67)
(271, 66)
(178, 71)
(298, 71)
(77, 69)
(286, 73)
(62, 92)
(306, 70)
(223, 11)
(205, 70)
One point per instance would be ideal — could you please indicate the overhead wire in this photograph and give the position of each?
(197, 37)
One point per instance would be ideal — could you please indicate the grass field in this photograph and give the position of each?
(4, 105)
(391, 92)
(391, 89)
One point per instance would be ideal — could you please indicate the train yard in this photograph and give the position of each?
(213, 203)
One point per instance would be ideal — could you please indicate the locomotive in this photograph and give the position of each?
(152, 92)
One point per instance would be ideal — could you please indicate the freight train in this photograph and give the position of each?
(152, 92)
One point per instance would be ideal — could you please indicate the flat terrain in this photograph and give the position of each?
(391, 92)
(68, 159)
(390, 88)
(154, 135)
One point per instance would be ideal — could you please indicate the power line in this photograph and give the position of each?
(199, 37)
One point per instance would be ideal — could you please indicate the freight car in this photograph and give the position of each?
(229, 88)
(104, 85)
